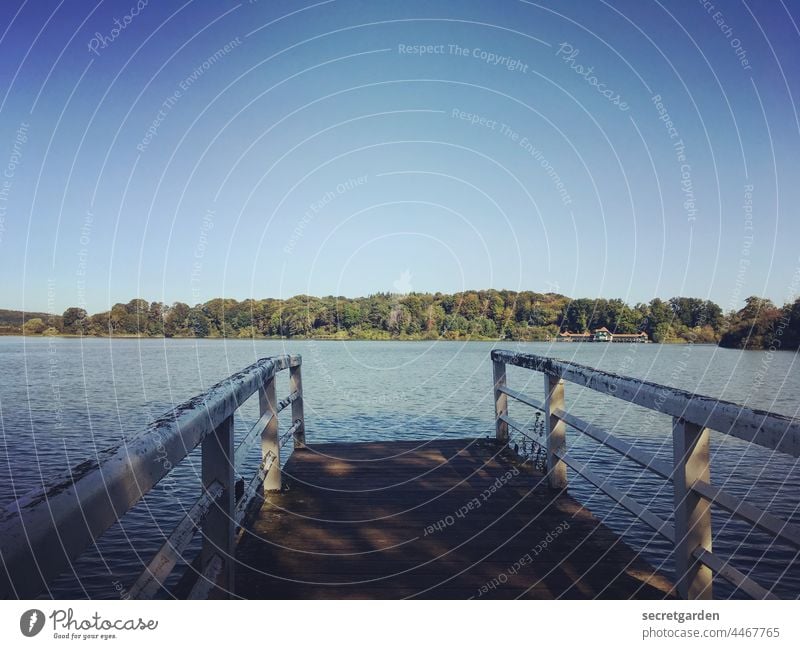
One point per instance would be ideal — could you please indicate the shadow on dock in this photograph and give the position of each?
(446, 518)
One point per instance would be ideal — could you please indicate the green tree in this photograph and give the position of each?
(524, 315)
(100, 324)
(350, 314)
(75, 320)
(659, 318)
(175, 320)
(661, 332)
(198, 323)
(34, 327)
(577, 316)
(754, 326)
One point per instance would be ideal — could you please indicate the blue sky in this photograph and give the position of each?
(268, 149)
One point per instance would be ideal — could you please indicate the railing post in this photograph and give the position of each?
(556, 431)
(268, 402)
(296, 385)
(219, 524)
(500, 401)
(692, 511)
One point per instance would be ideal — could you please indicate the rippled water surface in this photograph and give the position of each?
(62, 399)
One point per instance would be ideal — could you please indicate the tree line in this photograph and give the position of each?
(481, 315)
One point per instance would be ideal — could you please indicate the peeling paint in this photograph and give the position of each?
(76, 508)
(768, 429)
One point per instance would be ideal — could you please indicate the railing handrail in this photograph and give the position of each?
(690, 472)
(768, 429)
(43, 531)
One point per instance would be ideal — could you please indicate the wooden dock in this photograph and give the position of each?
(445, 518)
(437, 518)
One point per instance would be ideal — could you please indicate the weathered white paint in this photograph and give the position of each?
(500, 401)
(269, 436)
(623, 448)
(161, 565)
(283, 403)
(524, 398)
(257, 430)
(290, 433)
(758, 517)
(732, 575)
(556, 431)
(219, 523)
(692, 511)
(693, 416)
(208, 579)
(519, 427)
(43, 531)
(250, 438)
(296, 386)
(757, 426)
(634, 507)
(254, 488)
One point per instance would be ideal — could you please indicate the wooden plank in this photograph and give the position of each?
(389, 540)
(270, 447)
(283, 403)
(296, 386)
(556, 431)
(763, 520)
(248, 441)
(218, 524)
(163, 562)
(617, 495)
(254, 487)
(500, 401)
(732, 575)
(208, 579)
(522, 397)
(520, 428)
(767, 429)
(629, 451)
(694, 579)
(292, 432)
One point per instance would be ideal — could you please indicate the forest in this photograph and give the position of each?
(476, 315)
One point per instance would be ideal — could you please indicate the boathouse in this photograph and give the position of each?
(602, 335)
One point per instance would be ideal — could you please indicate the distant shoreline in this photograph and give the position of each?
(334, 339)
(482, 315)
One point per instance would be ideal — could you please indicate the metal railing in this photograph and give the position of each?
(693, 493)
(42, 533)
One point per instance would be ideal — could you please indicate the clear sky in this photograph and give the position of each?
(179, 151)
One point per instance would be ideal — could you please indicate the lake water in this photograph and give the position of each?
(62, 399)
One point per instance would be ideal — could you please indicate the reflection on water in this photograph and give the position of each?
(61, 400)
